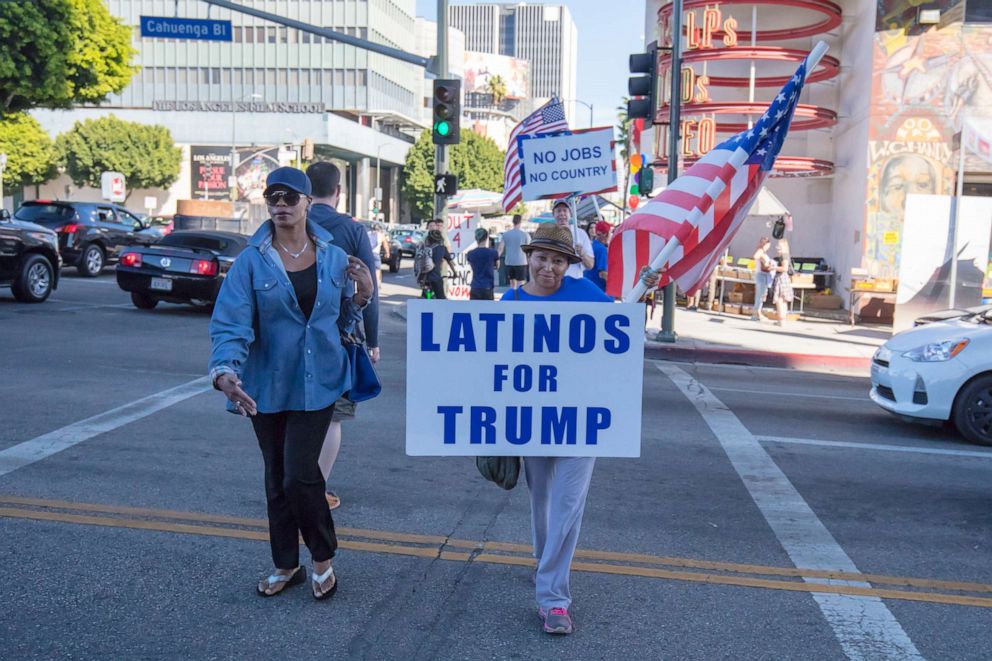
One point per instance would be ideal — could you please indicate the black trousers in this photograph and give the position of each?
(294, 486)
(480, 294)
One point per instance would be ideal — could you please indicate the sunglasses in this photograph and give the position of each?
(290, 197)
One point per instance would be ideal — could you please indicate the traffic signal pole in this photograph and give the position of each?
(441, 71)
(667, 333)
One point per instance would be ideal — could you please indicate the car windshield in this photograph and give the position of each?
(49, 215)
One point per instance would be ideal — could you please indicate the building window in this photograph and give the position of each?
(339, 77)
(260, 35)
(271, 33)
(215, 76)
(204, 76)
(363, 78)
(239, 77)
(237, 33)
(181, 76)
(170, 76)
(225, 77)
(270, 77)
(305, 37)
(283, 78)
(250, 35)
(282, 32)
(349, 78)
(294, 36)
(327, 78)
(294, 78)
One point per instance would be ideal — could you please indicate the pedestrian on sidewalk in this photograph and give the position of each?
(583, 246)
(600, 254)
(484, 262)
(513, 257)
(277, 356)
(782, 293)
(558, 485)
(764, 272)
(349, 236)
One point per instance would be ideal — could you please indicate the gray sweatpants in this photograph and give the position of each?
(558, 488)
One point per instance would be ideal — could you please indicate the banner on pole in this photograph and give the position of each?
(574, 162)
(524, 379)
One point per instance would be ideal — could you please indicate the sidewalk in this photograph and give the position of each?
(712, 337)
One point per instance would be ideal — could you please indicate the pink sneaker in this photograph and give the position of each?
(557, 621)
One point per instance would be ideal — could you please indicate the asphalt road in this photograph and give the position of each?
(143, 535)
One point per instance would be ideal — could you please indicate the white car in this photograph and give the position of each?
(938, 372)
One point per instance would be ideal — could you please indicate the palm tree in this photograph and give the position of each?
(497, 87)
(623, 128)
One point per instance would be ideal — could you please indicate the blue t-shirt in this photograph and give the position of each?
(572, 289)
(600, 257)
(483, 263)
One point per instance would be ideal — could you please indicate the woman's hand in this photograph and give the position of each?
(359, 272)
(230, 385)
(650, 277)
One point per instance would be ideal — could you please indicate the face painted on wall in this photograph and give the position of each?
(904, 175)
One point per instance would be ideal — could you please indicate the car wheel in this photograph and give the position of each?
(973, 411)
(143, 301)
(92, 261)
(394, 266)
(34, 282)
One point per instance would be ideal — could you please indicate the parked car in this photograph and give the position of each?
(938, 372)
(29, 259)
(91, 234)
(184, 267)
(409, 240)
(395, 251)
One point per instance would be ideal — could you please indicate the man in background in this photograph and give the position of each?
(484, 261)
(597, 274)
(513, 257)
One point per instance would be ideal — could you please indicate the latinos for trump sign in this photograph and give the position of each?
(576, 162)
(524, 379)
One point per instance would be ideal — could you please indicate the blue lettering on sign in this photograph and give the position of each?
(597, 419)
(449, 413)
(582, 333)
(482, 421)
(427, 342)
(546, 333)
(519, 433)
(621, 341)
(491, 320)
(185, 28)
(557, 427)
(461, 336)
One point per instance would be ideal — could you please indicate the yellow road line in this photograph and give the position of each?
(428, 552)
(438, 540)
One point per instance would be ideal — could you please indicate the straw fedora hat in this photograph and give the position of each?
(553, 237)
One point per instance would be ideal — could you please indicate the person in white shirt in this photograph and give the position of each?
(583, 246)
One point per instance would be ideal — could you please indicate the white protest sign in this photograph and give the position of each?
(461, 238)
(524, 379)
(581, 162)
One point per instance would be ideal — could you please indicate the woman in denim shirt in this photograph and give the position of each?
(278, 358)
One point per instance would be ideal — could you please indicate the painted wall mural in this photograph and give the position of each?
(925, 81)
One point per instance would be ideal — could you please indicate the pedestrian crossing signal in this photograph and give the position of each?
(445, 184)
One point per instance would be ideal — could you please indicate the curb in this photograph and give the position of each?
(753, 358)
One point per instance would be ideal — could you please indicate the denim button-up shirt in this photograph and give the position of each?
(259, 332)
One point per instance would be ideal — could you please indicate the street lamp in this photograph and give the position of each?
(587, 105)
(232, 181)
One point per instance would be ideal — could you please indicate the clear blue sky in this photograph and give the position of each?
(609, 31)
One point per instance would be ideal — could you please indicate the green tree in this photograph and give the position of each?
(30, 151)
(476, 160)
(60, 52)
(146, 155)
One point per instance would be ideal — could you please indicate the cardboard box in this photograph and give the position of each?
(735, 297)
(824, 302)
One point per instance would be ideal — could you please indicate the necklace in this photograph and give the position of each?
(294, 255)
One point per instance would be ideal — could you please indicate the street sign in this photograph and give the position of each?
(445, 184)
(112, 186)
(150, 203)
(162, 27)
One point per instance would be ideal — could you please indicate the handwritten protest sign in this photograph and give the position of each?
(524, 379)
(576, 162)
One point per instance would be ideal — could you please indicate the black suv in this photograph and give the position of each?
(29, 259)
(91, 234)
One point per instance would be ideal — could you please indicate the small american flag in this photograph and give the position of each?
(703, 208)
(549, 118)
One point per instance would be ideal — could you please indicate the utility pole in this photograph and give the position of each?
(667, 333)
(441, 71)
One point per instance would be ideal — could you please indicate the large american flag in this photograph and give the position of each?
(705, 206)
(549, 118)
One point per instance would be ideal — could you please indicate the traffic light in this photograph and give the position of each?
(645, 181)
(643, 88)
(447, 111)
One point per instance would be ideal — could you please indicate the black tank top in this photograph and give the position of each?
(305, 286)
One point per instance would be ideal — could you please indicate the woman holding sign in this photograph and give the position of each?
(277, 356)
(558, 485)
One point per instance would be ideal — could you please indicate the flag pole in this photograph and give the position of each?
(666, 253)
(956, 217)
